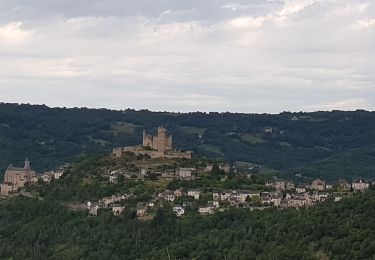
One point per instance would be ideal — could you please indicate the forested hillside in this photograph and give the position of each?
(322, 144)
(44, 229)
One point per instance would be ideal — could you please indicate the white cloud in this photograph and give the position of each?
(245, 23)
(294, 6)
(348, 104)
(365, 24)
(13, 33)
(268, 56)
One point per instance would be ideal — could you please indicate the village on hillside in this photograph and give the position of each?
(156, 162)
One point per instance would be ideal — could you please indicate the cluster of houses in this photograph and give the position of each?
(179, 173)
(319, 185)
(15, 178)
(281, 194)
(276, 192)
(106, 203)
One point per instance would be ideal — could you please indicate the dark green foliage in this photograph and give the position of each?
(43, 229)
(322, 144)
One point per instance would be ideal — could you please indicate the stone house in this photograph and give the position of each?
(337, 198)
(243, 195)
(150, 204)
(93, 209)
(117, 209)
(289, 185)
(270, 184)
(178, 210)
(216, 204)
(195, 193)
(320, 196)
(265, 198)
(48, 176)
(344, 185)
(283, 203)
(206, 210)
(185, 173)
(227, 194)
(167, 195)
(280, 185)
(360, 185)
(113, 179)
(318, 185)
(297, 201)
(178, 193)
(215, 195)
(301, 188)
(58, 174)
(141, 211)
(276, 198)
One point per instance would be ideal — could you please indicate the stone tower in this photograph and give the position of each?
(147, 140)
(162, 142)
(27, 164)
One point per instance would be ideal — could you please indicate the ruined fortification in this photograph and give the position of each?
(156, 146)
(162, 142)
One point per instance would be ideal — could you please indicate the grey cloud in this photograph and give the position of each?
(248, 56)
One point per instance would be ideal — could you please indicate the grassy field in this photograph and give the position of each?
(212, 148)
(284, 144)
(193, 130)
(252, 138)
(123, 127)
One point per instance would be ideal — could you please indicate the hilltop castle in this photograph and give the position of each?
(162, 142)
(156, 146)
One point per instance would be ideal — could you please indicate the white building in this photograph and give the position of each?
(194, 193)
(360, 185)
(178, 210)
(206, 210)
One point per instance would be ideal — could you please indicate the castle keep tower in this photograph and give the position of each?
(162, 142)
(155, 146)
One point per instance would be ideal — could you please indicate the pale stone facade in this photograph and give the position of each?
(17, 177)
(318, 185)
(162, 142)
(360, 185)
(159, 146)
(6, 189)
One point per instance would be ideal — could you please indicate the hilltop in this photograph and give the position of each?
(138, 207)
(46, 229)
(320, 144)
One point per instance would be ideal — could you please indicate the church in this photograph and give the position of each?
(16, 177)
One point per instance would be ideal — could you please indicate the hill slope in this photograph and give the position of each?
(34, 229)
(298, 141)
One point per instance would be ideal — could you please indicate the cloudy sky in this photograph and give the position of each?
(189, 55)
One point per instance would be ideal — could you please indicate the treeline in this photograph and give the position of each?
(307, 143)
(43, 229)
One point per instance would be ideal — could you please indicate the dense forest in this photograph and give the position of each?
(44, 229)
(320, 144)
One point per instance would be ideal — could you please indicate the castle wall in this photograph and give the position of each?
(117, 152)
(154, 143)
(162, 142)
(147, 140)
